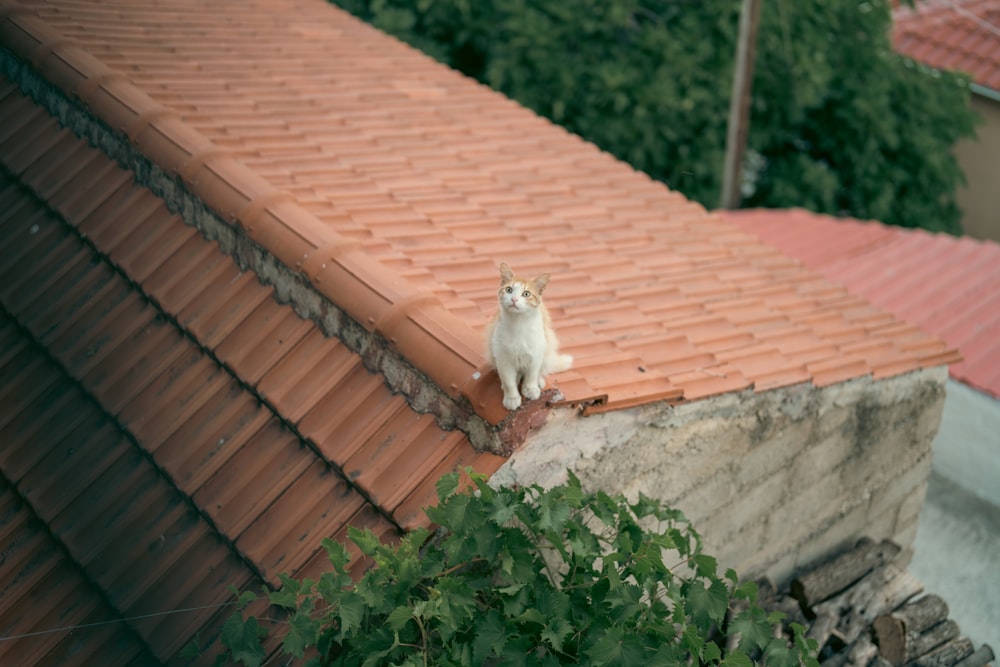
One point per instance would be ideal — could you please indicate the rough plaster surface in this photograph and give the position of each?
(772, 480)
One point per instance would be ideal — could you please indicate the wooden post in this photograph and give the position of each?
(739, 105)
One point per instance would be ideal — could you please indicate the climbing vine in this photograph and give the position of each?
(526, 576)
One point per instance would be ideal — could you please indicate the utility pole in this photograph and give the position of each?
(739, 105)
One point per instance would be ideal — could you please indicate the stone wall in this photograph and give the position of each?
(772, 480)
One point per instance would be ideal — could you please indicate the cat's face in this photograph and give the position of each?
(518, 294)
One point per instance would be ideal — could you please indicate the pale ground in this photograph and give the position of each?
(957, 550)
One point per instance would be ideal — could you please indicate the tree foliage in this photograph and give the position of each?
(528, 577)
(840, 123)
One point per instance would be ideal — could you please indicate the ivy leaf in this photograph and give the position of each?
(457, 602)
(736, 659)
(288, 595)
(242, 638)
(555, 631)
(399, 617)
(778, 654)
(366, 540)
(705, 565)
(531, 616)
(501, 509)
(692, 639)
(552, 513)
(490, 636)
(645, 506)
(453, 514)
(752, 627)
(707, 604)
(245, 598)
(302, 633)
(604, 508)
(608, 648)
(350, 613)
(747, 590)
(330, 585)
(337, 553)
(711, 652)
(805, 644)
(446, 486)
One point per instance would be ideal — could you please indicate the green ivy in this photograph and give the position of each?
(840, 123)
(527, 576)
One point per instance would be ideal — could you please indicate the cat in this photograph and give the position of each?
(521, 344)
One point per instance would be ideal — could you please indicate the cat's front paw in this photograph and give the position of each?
(511, 401)
(531, 392)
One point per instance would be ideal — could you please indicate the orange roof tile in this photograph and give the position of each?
(959, 35)
(949, 287)
(396, 185)
(43, 588)
(160, 409)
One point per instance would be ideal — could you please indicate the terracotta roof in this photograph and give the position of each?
(948, 286)
(397, 185)
(377, 191)
(155, 395)
(959, 35)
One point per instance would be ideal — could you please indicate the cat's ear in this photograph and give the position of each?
(506, 275)
(541, 281)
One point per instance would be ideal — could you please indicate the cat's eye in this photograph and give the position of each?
(525, 294)
(509, 289)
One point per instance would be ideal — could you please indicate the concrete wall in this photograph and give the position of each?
(771, 480)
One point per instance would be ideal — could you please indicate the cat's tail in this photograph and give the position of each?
(557, 363)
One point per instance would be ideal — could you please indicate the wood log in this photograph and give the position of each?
(861, 652)
(945, 655)
(880, 591)
(823, 627)
(893, 630)
(858, 654)
(899, 587)
(922, 614)
(834, 576)
(980, 658)
(885, 588)
(890, 636)
(926, 642)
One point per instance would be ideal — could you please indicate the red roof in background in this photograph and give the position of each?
(959, 35)
(949, 286)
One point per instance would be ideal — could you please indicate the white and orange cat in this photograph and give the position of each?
(521, 344)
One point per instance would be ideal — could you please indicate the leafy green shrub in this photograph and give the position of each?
(528, 577)
(839, 122)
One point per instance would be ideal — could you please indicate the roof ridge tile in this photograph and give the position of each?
(230, 188)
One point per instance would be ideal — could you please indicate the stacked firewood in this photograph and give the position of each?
(864, 611)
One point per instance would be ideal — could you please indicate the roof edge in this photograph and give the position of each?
(984, 91)
(324, 275)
